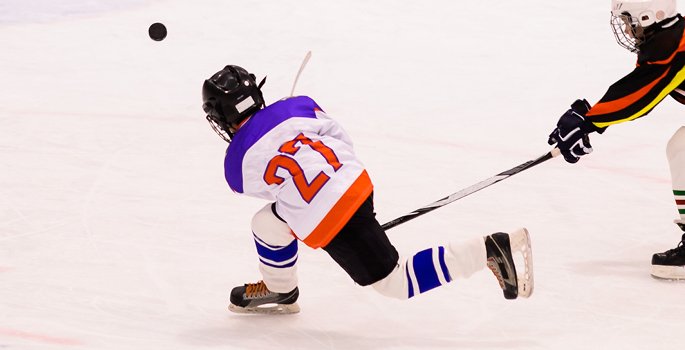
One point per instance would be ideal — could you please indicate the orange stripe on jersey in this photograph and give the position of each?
(341, 212)
(623, 102)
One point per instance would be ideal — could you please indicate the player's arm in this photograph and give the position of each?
(628, 99)
(636, 94)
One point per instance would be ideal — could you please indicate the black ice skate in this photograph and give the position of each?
(256, 298)
(499, 248)
(671, 263)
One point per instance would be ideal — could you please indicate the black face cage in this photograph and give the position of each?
(220, 128)
(628, 31)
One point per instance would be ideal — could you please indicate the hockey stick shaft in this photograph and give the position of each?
(471, 189)
(297, 77)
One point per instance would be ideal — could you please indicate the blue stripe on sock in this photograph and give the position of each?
(443, 265)
(273, 247)
(411, 285)
(425, 271)
(292, 263)
(277, 255)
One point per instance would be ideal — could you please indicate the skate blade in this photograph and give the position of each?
(519, 241)
(668, 273)
(267, 309)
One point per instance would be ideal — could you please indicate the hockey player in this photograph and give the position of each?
(293, 155)
(653, 29)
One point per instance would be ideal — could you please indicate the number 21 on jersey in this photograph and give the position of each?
(285, 161)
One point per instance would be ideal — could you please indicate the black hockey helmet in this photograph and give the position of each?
(229, 97)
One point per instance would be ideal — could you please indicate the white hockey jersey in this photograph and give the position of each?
(292, 153)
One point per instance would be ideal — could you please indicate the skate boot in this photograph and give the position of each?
(256, 298)
(671, 263)
(499, 248)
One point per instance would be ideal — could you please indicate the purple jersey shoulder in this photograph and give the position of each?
(259, 125)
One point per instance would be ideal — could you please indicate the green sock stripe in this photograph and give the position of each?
(681, 211)
(679, 193)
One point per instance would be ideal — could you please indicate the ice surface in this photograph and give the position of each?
(117, 230)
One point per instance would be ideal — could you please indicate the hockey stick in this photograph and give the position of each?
(297, 77)
(474, 188)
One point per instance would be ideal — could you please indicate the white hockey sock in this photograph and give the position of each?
(278, 265)
(466, 258)
(277, 250)
(432, 268)
(675, 151)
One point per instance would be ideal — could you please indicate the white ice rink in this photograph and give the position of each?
(118, 231)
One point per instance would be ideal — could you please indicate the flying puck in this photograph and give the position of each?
(157, 31)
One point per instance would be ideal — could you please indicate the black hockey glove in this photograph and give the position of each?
(571, 134)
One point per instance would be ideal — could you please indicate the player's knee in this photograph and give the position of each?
(267, 226)
(394, 285)
(676, 145)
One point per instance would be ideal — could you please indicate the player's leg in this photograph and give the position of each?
(363, 250)
(671, 263)
(675, 152)
(434, 267)
(277, 250)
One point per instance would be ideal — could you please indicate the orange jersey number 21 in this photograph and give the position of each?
(307, 189)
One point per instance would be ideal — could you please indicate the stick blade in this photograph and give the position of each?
(299, 72)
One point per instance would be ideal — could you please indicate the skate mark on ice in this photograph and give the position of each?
(48, 339)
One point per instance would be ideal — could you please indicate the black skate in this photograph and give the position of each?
(499, 248)
(256, 298)
(671, 263)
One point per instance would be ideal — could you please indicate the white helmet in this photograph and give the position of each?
(629, 18)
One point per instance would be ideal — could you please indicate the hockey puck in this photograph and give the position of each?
(157, 31)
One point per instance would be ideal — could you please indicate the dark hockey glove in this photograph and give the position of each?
(572, 132)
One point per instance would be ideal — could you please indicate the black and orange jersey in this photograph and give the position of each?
(660, 72)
